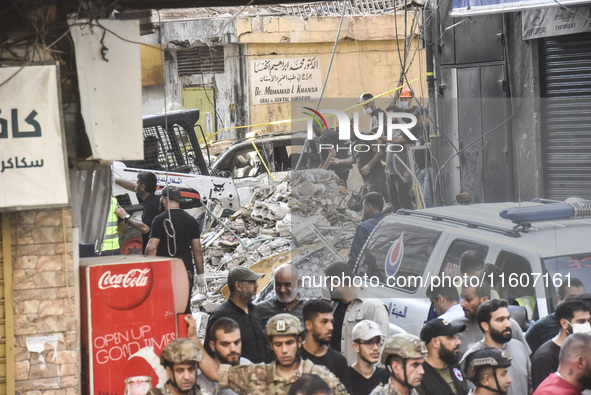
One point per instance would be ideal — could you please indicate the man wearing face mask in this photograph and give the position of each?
(573, 317)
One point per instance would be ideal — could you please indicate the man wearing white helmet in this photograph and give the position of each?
(403, 355)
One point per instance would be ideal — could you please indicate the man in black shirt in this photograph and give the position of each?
(318, 320)
(332, 147)
(442, 375)
(364, 374)
(175, 233)
(144, 188)
(242, 283)
(569, 313)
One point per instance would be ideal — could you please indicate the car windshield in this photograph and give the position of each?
(568, 267)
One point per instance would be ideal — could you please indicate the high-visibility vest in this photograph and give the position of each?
(111, 239)
(529, 302)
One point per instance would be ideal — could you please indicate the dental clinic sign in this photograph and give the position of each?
(32, 154)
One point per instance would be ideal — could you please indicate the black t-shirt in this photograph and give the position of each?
(362, 386)
(363, 152)
(151, 210)
(337, 332)
(186, 229)
(333, 361)
(544, 362)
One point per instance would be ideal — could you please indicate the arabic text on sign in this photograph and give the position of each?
(9, 164)
(16, 133)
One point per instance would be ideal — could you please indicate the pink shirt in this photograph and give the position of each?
(554, 384)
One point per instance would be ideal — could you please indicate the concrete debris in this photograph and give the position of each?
(279, 218)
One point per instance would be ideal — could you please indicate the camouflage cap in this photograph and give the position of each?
(180, 351)
(405, 346)
(490, 357)
(283, 324)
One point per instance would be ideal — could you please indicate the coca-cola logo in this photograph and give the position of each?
(133, 278)
(124, 287)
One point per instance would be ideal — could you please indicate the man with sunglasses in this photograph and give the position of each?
(243, 286)
(442, 375)
(367, 343)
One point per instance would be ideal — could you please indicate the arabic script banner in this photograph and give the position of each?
(281, 80)
(32, 154)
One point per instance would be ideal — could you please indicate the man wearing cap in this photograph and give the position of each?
(283, 333)
(287, 299)
(487, 369)
(493, 319)
(367, 343)
(243, 286)
(175, 233)
(403, 355)
(442, 376)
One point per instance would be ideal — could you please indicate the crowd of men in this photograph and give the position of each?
(319, 347)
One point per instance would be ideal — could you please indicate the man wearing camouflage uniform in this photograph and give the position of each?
(180, 358)
(403, 355)
(283, 332)
(487, 369)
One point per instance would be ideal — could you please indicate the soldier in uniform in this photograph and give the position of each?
(487, 369)
(283, 332)
(180, 358)
(403, 355)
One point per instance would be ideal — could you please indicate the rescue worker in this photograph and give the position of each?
(403, 355)
(284, 332)
(180, 358)
(487, 369)
(114, 227)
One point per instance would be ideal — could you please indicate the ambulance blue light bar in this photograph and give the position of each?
(571, 208)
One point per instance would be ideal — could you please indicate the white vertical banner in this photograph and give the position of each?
(110, 83)
(33, 170)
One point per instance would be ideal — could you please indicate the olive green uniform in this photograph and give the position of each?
(262, 379)
(388, 389)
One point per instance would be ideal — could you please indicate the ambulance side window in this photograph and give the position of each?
(451, 263)
(518, 287)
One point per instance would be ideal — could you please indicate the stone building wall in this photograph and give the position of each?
(46, 324)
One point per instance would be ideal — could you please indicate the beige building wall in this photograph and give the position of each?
(366, 58)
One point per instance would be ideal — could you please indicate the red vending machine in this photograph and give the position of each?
(129, 313)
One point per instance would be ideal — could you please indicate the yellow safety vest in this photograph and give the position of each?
(111, 239)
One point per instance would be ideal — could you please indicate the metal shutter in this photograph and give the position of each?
(201, 60)
(565, 76)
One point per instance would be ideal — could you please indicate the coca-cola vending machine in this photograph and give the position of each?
(129, 313)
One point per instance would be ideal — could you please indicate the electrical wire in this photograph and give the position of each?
(334, 49)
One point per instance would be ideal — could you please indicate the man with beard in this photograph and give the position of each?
(349, 309)
(494, 320)
(180, 359)
(573, 316)
(243, 286)
(472, 298)
(442, 376)
(574, 372)
(283, 332)
(364, 374)
(287, 296)
(227, 347)
(488, 370)
(403, 355)
(318, 321)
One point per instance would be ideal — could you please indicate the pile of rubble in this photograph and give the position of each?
(305, 208)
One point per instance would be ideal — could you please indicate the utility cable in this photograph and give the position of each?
(334, 49)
